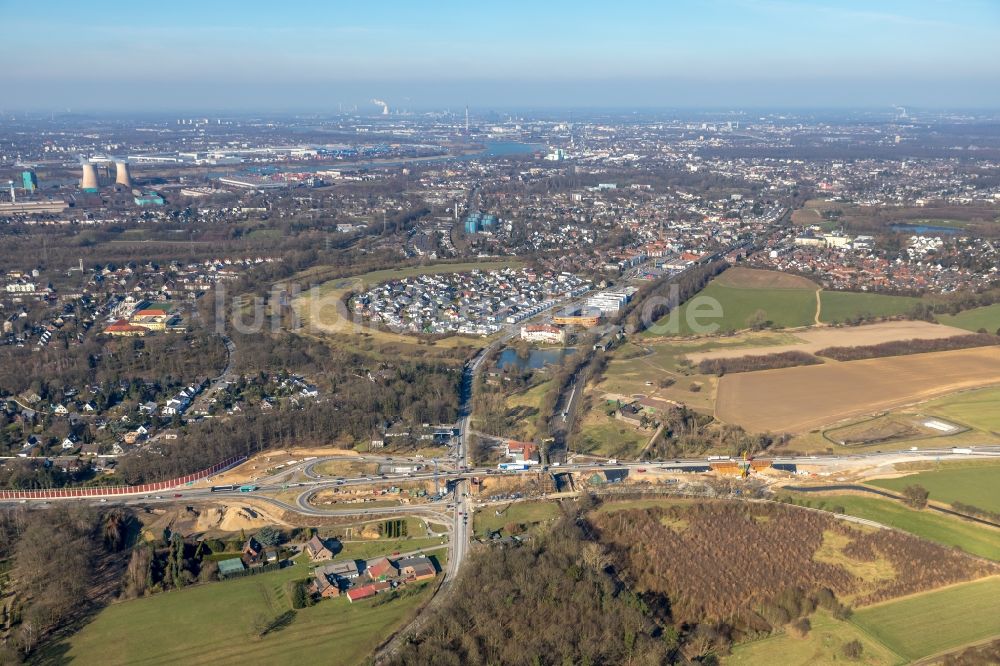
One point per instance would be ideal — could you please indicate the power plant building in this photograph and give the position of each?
(149, 198)
(122, 175)
(29, 180)
(476, 222)
(89, 181)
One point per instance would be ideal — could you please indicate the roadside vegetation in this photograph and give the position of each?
(970, 485)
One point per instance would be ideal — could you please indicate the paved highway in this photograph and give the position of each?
(459, 476)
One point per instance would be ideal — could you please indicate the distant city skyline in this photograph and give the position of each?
(313, 56)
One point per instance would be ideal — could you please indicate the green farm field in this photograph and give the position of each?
(787, 308)
(987, 317)
(946, 530)
(976, 485)
(787, 301)
(823, 645)
(979, 409)
(841, 306)
(933, 622)
(212, 624)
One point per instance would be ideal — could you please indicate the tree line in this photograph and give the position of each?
(904, 347)
(751, 363)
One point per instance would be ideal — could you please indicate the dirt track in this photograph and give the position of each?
(848, 336)
(799, 399)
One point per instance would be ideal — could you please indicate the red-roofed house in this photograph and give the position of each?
(365, 591)
(381, 569)
(125, 329)
(522, 451)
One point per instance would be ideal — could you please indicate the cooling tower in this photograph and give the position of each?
(89, 179)
(122, 175)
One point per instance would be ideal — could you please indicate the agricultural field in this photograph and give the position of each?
(842, 306)
(977, 485)
(823, 645)
(800, 399)
(933, 622)
(213, 624)
(987, 317)
(786, 301)
(752, 278)
(812, 340)
(648, 367)
(979, 409)
(946, 530)
(519, 513)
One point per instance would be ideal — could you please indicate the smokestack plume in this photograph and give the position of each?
(122, 175)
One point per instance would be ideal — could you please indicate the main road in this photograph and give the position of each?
(304, 490)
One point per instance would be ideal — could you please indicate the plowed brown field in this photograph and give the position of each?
(849, 336)
(804, 398)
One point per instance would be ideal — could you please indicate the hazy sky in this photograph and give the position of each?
(95, 54)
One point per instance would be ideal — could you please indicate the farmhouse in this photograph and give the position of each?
(252, 550)
(381, 569)
(324, 586)
(416, 568)
(342, 569)
(366, 591)
(317, 550)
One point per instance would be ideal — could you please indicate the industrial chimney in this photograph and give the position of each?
(89, 179)
(122, 175)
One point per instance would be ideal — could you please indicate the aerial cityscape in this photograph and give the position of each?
(655, 333)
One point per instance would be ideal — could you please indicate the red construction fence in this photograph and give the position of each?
(110, 491)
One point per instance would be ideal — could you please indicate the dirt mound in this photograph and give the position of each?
(370, 532)
(209, 519)
(233, 518)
